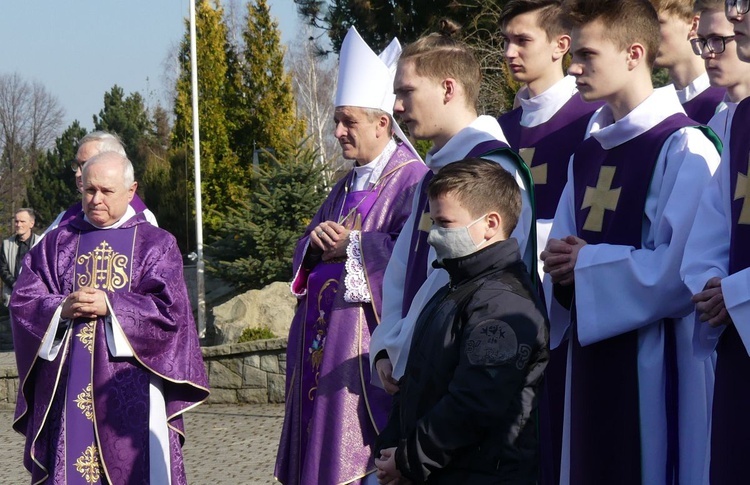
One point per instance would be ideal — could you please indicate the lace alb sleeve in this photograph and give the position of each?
(355, 283)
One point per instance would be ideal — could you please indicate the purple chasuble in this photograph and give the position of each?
(75, 209)
(139, 266)
(611, 187)
(419, 249)
(730, 421)
(703, 107)
(102, 262)
(547, 147)
(333, 412)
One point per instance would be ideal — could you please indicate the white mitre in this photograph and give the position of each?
(366, 79)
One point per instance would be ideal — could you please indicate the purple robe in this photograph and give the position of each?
(553, 143)
(333, 412)
(730, 422)
(703, 107)
(156, 318)
(604, 385)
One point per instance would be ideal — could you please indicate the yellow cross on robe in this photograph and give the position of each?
(538, 173)
(740, 192)
(600, 198)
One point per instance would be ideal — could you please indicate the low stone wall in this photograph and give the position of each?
(8, 384)
(246, 373)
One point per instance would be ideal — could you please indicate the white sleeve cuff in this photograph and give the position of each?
(116, 339)
(355, 283)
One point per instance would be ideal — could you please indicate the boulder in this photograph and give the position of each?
(272, 306)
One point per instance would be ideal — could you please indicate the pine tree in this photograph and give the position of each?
(52, 187)
(256, 243)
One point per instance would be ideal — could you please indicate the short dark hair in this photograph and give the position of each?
(550, 18)
(480, 186)
(626, 21)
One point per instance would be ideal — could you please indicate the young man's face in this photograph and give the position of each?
(674, 46)
(418, 101)
(599, 66)
(724, 69)
(528, 52)
(741, 24)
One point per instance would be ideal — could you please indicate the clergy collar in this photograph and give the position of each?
(366, 175)
(697, 86)
(129, 212)
(660, 105)
(542, 107)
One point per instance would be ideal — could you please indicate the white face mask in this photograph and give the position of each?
(453, 242)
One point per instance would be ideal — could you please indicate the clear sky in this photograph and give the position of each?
(79, 49)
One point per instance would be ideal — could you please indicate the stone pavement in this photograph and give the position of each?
(226, 445)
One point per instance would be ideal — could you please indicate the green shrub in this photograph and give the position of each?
(256, 333)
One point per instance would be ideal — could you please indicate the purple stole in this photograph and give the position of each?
(605, 438)
(703, 107)
(137, 204)
(102, 262)
(730, 422)
(546, 148)
(322, 286)
(416, 265)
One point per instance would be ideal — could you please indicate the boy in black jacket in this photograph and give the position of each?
(466, 408)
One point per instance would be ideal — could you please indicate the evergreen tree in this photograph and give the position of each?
(221, 176)
(255, 245)
(52, 187)
(129, 119)
(263, 112)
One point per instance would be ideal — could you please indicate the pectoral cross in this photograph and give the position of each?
(538, 173)
(741, 192)
(600, 198)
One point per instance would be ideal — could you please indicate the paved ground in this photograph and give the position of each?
(226, 445)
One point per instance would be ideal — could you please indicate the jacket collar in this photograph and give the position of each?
(493, 258)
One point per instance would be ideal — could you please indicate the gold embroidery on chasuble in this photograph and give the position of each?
(325, 299)
(538, 172)
(85, 403)
(88, 464)
(105, 268)
(741, 192)
(600, 199)
(86, 335)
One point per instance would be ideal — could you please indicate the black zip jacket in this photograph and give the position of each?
(466, 409)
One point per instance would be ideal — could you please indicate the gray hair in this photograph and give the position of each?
(106, 142)
(125, 165)
(29, 211)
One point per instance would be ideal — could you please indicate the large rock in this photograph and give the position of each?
(273, 306)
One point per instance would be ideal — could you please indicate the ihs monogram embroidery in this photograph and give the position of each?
(104, 268)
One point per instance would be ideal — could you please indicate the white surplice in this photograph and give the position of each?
(619, 289)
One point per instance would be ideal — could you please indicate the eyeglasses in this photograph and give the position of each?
(715, 44)
(741, 6)
(76, 165)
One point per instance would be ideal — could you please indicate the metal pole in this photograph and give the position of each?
(201, 286)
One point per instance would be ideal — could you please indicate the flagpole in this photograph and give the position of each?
(201, 287)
